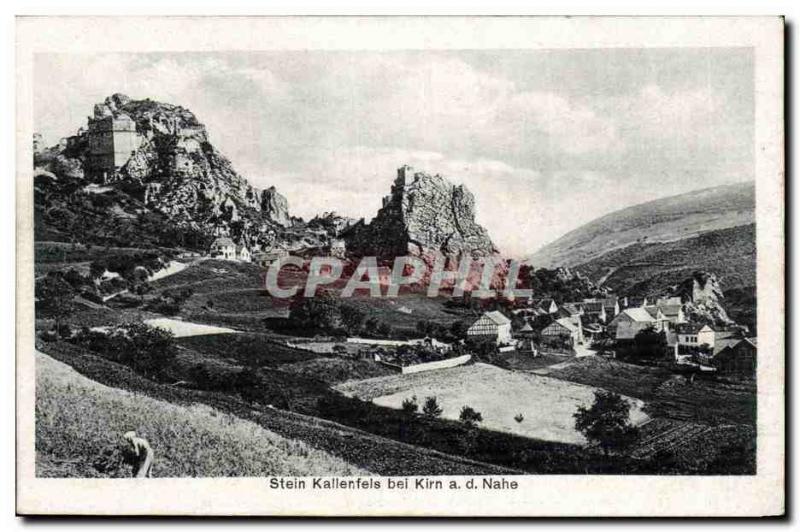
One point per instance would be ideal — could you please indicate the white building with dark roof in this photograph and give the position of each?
(223, 248)
(492, 325)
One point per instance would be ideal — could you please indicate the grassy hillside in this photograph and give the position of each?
(642, 269)
(372, 452)
(662, 220)
(645, 269)
(79, 425)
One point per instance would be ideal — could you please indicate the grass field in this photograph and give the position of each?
(183, 329)
(246, 349)
(547, 405)
(336, 370)
(666, 394)
(79, 425)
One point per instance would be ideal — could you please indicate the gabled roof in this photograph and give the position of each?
(654, 312)
(572, 308)
(638, 314)
(691, 328)
(719, 345)
(567, 324)
(593, 307)
(497, 317)
(526, 328)
(635, 301)
(670, 310)
(222, 241)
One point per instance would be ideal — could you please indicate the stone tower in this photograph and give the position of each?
(112, 141)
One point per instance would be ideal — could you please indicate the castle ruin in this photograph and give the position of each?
(112, 141)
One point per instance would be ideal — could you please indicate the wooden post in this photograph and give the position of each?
(143, 453)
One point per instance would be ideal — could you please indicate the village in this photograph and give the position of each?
(537, 326)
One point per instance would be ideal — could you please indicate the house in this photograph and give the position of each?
(242, 253)
(265, 259)
(563, 331)
(611, 307)
(738, 357)
(628, 323)
(546, 305)
(526, 331)
(223, 248)
(633, 302)
(692, 336)
(595, 310)
(492, 325)
(672, 312)
(592, 332)
(661, 322)
(568, 310)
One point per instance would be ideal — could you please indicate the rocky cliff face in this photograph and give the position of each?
(424, 214)
(702, 299)
(172, 168)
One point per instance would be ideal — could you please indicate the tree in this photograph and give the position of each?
(55, 296)
(459, 329)
(469, 416)
(147, 349)
(431, 407)
(647, 344)
(352, 318)
(607, 422)
(410, 406)
(482, 346)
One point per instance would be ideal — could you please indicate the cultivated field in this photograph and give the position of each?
(182, 328)
(79, 427)
(547, 405)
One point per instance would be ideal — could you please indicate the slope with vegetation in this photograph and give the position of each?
(661, 220)
(79, 427)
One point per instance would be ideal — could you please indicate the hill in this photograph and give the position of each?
(79, 424)
(145, 171)
(663, 220)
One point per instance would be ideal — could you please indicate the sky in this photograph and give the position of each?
(546, 140)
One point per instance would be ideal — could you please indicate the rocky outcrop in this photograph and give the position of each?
(275, 207)
(333, 224)
(172, 167)
(702, 299)
(424, 214)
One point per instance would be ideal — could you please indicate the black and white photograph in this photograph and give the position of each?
(416, 268)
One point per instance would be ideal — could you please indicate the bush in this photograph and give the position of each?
(54, 297)
(147, 350)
